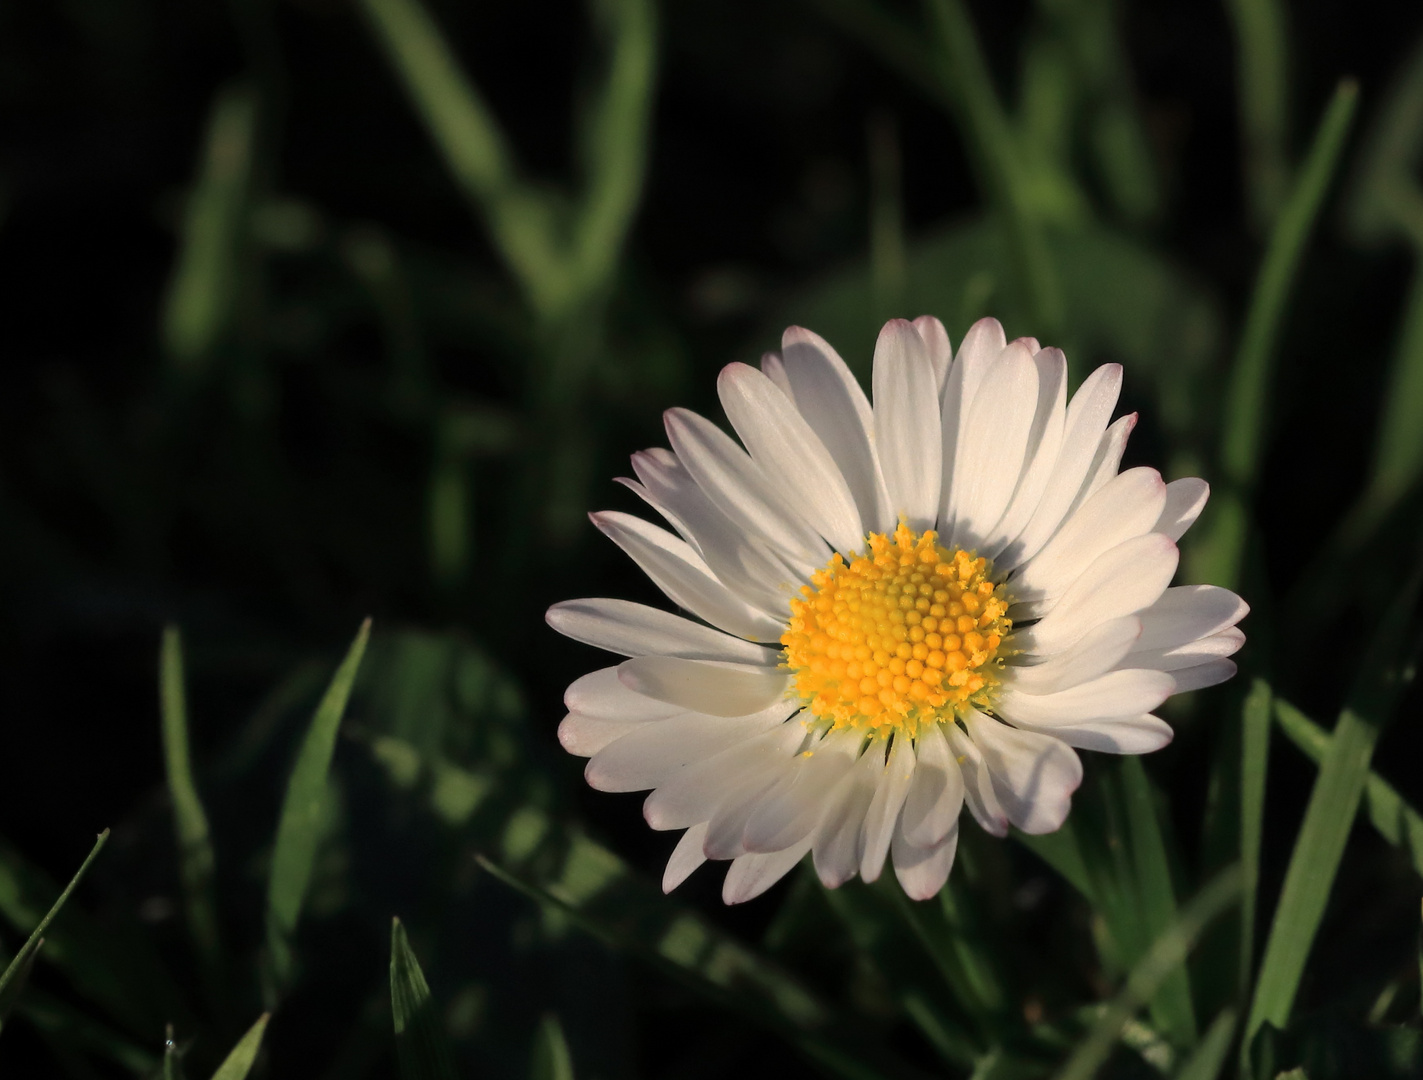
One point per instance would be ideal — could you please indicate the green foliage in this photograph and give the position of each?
(419, 1041)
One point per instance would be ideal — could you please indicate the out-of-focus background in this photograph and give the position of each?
(315, 310)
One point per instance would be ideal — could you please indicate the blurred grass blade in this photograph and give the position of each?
(1333, 802)
(1262, 77)
(190, 823)
(992, 145)
(420, 1044)
(1171, 1007)
(239, 1062)
(1166, 954)
(63, 1025)
(551, 1059)
(1386, 199)
(298, 828)
(19, 966)
(1255, 760)
(519, 219)
(1396, 821)
(17, 975)
(1062, 851)
(198, 308)
(1222, 546)
(886, 216)
(1207, 1060)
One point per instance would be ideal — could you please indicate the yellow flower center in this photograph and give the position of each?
(903, 637)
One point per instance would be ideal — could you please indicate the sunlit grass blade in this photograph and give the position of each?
(420, 1044)
(1207, 1060)
(199, 305)
(1396, 821)
(190, 823)
(1166, 954)
(239, 1062)
(1262, 68)
(1218, 553)
(551, 1058)
(602, 896)
(19, 966)
(1254, 764)
(1329, 815)
(298, 828)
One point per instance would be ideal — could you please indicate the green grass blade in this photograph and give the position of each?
(1329, 815)
(1396, 821)
(195, 852)
(1255, 760)
(198, 307)
(17, 976)
(1207, 1060)
(1222, 546)
(298, 828)
(20, 964)
(1171, 1008)
(551, 1059)
(420, 1044)
(239, 1062)
(1167, 953)
(1262, 70)
(63, 1025)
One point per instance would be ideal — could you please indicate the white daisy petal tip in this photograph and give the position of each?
(1012, 606)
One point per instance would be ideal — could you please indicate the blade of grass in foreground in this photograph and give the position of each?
(190, 822)
(298, 828)
(1166, 954)
(1255, 759)
(420, 1044)
(19, 966)
(551, 1060)
(1218, 555)
(1329, 815)
(239, 1062)
(1209, 1057)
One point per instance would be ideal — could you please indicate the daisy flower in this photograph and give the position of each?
(900, 609)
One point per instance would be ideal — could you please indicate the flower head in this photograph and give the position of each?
(902, 609)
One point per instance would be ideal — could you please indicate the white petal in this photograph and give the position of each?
(1123, 581)
(837, 842)
(1087, 415)
(992, 446)
(1199, 677)
(686, 857)
(654, 754)
(978, 791)
(1034, 775)
(1117, 735)
(1108, 458)
(790, 813)
(740, 487)
(741, 561)
(834, 405)
(791, 454)
(725, 831)
(1126, 507)
(979, 348)
(1100, 650)
(683, 575)
(907, 424)
(891, 789)
(936, 790)
(602, 695)
(751, 875)
(775, 370)
(1189, 654)
(941, 353)
(1189, 612)
(922, 872)
(1185, 499)
(1044, 444)
(700, 788)
(714, 688)
(584, 736)
(621, 626)
(1118, 693)
(668, 514)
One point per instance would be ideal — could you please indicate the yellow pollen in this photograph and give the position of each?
(906, 636)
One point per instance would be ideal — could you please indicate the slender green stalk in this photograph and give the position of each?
(1255, 760)
(1167, 953)
(1207, 1060)
(190, 823)
(1262, 75)
(1222, 547)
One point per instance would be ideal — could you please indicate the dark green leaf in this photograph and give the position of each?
(1255, 759)
(420, 1044)
(551, 1059)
